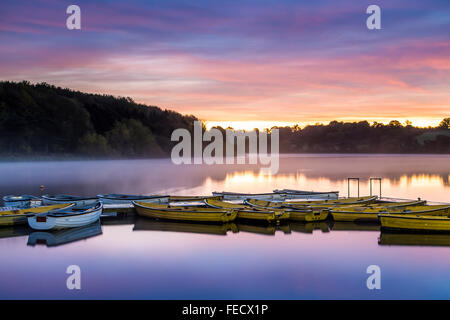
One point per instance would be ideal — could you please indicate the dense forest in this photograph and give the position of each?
(361, 137)
(44, 120)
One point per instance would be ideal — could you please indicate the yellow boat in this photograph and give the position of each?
(371, 213)
(10, 217)
(263, 215)
(218, 204)
(193, 198)
(399, 204)
(415, 222)
(312, 203)
(244, 211)
(183, 213)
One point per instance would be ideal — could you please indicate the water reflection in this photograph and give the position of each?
(414, 239)
(64, 236)
(190, 227)
(147, 259)
(16, 231)
(355, 226)
(408, 176)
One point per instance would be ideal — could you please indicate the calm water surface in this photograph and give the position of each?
(131, 258)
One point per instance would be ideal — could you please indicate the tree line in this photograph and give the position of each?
(41, 119)
(45, 120)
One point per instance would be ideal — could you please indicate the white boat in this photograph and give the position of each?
(113, 199)
(64, 198)
(56, 238)
(243, 196)
(301, 194)
(60, 219)
(22, 201)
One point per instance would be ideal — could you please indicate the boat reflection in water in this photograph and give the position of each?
(224, 229)
(354, 226)
(16, 231)
(64, 236)
(190, 227)
(310, 227)
(414, 239)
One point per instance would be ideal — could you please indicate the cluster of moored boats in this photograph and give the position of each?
(64, 211)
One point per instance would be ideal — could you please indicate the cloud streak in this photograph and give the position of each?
(241, 60)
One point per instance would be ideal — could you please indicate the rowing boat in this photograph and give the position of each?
(371, 213)
(429, 223)
(219, 204)
(397, 204)
(298, 214)
(67, 218)
(300, 194)
(22, 201)
(183, 213)
(249, 212)
(10, 217)
(64, 198)
(243, 196)
(263, 215)
(114, 198)
(193, 198)
(64, 236)
(312, 203)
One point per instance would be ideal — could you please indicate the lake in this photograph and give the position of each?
(136, 258)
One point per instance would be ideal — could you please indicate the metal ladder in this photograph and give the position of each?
(371, 180)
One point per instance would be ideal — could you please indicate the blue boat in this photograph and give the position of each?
(22, 201)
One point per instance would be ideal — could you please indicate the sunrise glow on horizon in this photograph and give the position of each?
(261, 125)
(243, 64)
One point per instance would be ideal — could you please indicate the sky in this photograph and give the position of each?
(248, 63)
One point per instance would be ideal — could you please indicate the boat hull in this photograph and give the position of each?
(372, 213)
(18, 216)
(300, 194)
(180, 213)
(22, 201)
(414, 222)
(243, 196)
(193, 198)
(13, 220)
(250, 213)
(79, 202)
(310, 203)
(262, 215)
(128, 199)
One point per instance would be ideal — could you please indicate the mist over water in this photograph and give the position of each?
(142, 258)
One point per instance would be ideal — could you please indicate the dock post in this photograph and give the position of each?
(370, 182)
(348, 186)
